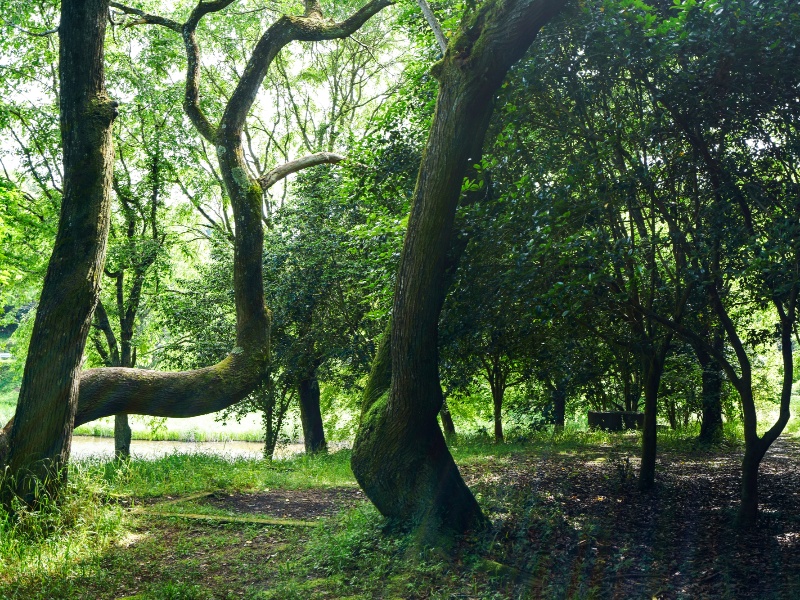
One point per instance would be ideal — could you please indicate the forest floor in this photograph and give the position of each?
(567, 522)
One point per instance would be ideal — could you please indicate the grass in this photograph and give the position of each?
(90, 545)
(196, 472)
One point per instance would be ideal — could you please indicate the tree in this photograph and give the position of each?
(49, 393)
(35, 445)
(400, 457)
(212, 388)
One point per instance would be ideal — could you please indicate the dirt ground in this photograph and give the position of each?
(576, 526)
(289, 504)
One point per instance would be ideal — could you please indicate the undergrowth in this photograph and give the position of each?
(57, 538)
(80, 540)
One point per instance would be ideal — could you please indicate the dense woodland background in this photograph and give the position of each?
(627, 237)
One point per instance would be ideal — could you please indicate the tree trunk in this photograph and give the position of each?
(400, 457)
(40, 436)
(497, 405)
(311, 415)
(448, 426)
(711, 423)
(748, 507)
(122, 437)
(653, 369)
(559, 399)
(122, 428)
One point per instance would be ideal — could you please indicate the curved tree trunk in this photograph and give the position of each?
(110, 391)
(400, 457)
(311, 415)
(38, 439)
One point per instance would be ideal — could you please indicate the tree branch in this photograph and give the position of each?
(272, 177)
(310, 28)
(145, 18)
(433, 22)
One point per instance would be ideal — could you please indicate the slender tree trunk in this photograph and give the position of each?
(40, 436)
(559, 398)
(653, 369)
(711, 423)
(748, 507)
(400, 457)
(448, 426)
(497, 404)
(672, 414)
(122, 428)
(311, 415)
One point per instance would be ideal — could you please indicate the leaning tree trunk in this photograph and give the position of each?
(39, 439)
(311, 415)
(400, 457)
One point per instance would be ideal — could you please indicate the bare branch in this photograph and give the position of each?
(433, 22)
(293, 166)
(28, 31)
(146, 18)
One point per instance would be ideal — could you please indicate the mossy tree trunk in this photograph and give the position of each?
(39, 437)
(112, 391)
(400, 457)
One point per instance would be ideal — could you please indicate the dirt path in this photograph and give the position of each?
(290, 504)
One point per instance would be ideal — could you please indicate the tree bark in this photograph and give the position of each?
(400, 457)
(39, 437)
(448, 426)
(711, 422)
(497, 406)
(311, 415)
(653, 369)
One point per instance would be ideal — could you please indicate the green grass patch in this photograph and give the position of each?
(196, 472)
(165, 434)
(59, 540)
(8, 403)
